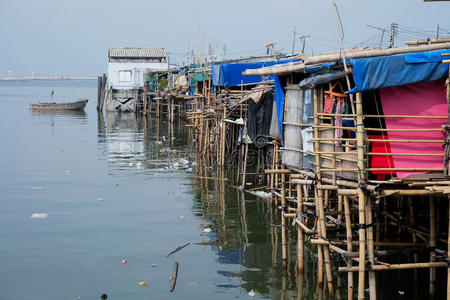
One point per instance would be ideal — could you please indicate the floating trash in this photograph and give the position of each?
(263, 194)
(207, 230)
(181, 217)
(143, 283)
(177, 249)
(67, 171)
(154, 265)
(254, 269)
(36, 187)
(401, 293)
(124, 261)
(101, 199)
(251, 293)
(39, 216)
(104, 296)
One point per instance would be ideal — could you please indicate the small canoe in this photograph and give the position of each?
(77, 105)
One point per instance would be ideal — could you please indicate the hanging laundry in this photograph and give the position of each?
(329, 104)
(338, 121)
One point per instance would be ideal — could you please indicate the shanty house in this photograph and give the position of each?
(127, 66)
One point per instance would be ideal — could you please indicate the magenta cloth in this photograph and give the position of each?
(425, 99)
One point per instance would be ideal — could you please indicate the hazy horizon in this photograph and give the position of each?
(51, 37)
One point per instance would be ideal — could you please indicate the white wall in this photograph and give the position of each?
(137, 73)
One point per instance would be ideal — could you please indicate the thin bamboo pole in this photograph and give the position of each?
(283, 220)
(318, 59)
(370, 249)
(432, 290)
(388, 267)
(319, 176)
(412, 221)
(382, 116)
(223, 135)
(348, 229)
(300, 238)
(361, 197)
(448, 249)
(323, 232)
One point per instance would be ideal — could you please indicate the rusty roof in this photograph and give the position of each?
(137, 53)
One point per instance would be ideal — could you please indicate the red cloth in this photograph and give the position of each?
(425, 99)
(381, 161)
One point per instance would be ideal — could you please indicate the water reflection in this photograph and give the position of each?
(247, 242)
(239, 228)
(142, 145)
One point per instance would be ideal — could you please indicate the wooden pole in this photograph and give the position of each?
(370, 249)
(223, 140)
(389, 267)
(300, 238)
(99, 92)
(412, 222)
(432, 245)
(361, 197)
(448, 249)
(323, 231)
(348, 229)
(283, 220)
(318, 59)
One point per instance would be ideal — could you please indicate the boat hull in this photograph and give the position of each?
(77, 105)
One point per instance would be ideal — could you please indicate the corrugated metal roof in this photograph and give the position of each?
(137, 53)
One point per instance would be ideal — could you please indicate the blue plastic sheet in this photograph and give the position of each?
(279, 100)
(380, 72)
(231, 74)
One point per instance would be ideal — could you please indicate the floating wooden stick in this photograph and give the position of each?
(177, 249)
(174, 277)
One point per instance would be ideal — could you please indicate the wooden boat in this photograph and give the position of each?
(77, 105)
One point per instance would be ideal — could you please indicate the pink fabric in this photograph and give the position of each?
(424, 98)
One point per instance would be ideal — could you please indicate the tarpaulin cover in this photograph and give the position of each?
(381, 161)
(386, 71)
(279, 99)
(424, 99)
(231, 74)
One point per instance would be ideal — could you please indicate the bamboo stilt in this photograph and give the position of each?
(448, 249)
(323, 231)
(348, 229)
(370, 249)
(432, 289)
(300, 241)
(361, 198)
(283, 220)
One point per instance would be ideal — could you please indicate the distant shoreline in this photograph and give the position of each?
(30, 78)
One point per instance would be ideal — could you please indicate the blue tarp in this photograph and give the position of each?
(279, 100)
(231, 74)
(380, 72)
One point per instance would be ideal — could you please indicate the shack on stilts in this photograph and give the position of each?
(364, 161)
(352, 147)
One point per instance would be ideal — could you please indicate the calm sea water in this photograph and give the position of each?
(120, 187)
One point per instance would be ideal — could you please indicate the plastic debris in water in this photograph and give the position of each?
(251, 293)
(104, 296)
(254, 269)
(207, 230)
(154, 265)
(39, 216)
(100, 199)
(181, 217)
(36, 187)
(124, 261)
(143, 283)
(401, 293)
(67, 171)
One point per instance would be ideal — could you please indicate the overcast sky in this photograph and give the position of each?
(71, 37)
